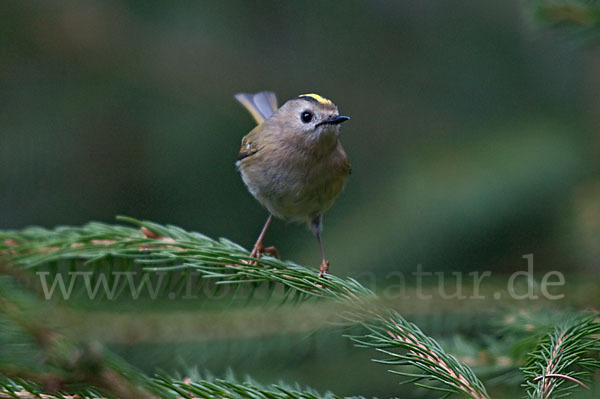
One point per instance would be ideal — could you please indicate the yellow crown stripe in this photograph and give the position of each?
(317, 97)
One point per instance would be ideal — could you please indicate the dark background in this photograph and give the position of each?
(473, 137)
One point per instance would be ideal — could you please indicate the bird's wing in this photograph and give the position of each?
(248, 147)
(261, 105)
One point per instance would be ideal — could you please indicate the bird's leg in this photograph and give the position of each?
(324, 268)
(259, 249)
(317, 226)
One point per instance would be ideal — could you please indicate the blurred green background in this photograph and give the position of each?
(473, 137)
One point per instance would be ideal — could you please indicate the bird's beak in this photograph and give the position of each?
(336, 120)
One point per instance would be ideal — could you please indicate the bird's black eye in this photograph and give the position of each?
(306, 116)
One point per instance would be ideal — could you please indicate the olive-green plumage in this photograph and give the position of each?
(293, 162)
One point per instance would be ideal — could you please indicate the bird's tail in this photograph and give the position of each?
(261, 105)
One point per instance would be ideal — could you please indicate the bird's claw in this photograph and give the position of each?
(271, 251)
(259, 250)
(324, 268)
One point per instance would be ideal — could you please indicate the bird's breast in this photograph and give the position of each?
(296, 185)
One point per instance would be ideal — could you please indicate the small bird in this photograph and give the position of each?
(293, 162)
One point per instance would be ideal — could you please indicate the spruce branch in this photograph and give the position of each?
(230, 388)
(564, 356)
(205, 388)
(393, 332)
(63, 369)
(55, 363)
(169, 248)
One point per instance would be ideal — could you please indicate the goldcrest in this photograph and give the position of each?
(293, 162)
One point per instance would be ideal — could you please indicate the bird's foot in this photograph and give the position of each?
(324, 268)
(271, 251)
(259, 250)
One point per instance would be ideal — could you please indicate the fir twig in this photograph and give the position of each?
(231, 389)
(55, 363)
(563, 356)
(170, 248)
(208, 388)
(421, 352)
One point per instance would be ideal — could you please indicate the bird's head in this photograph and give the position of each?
(311, 116)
